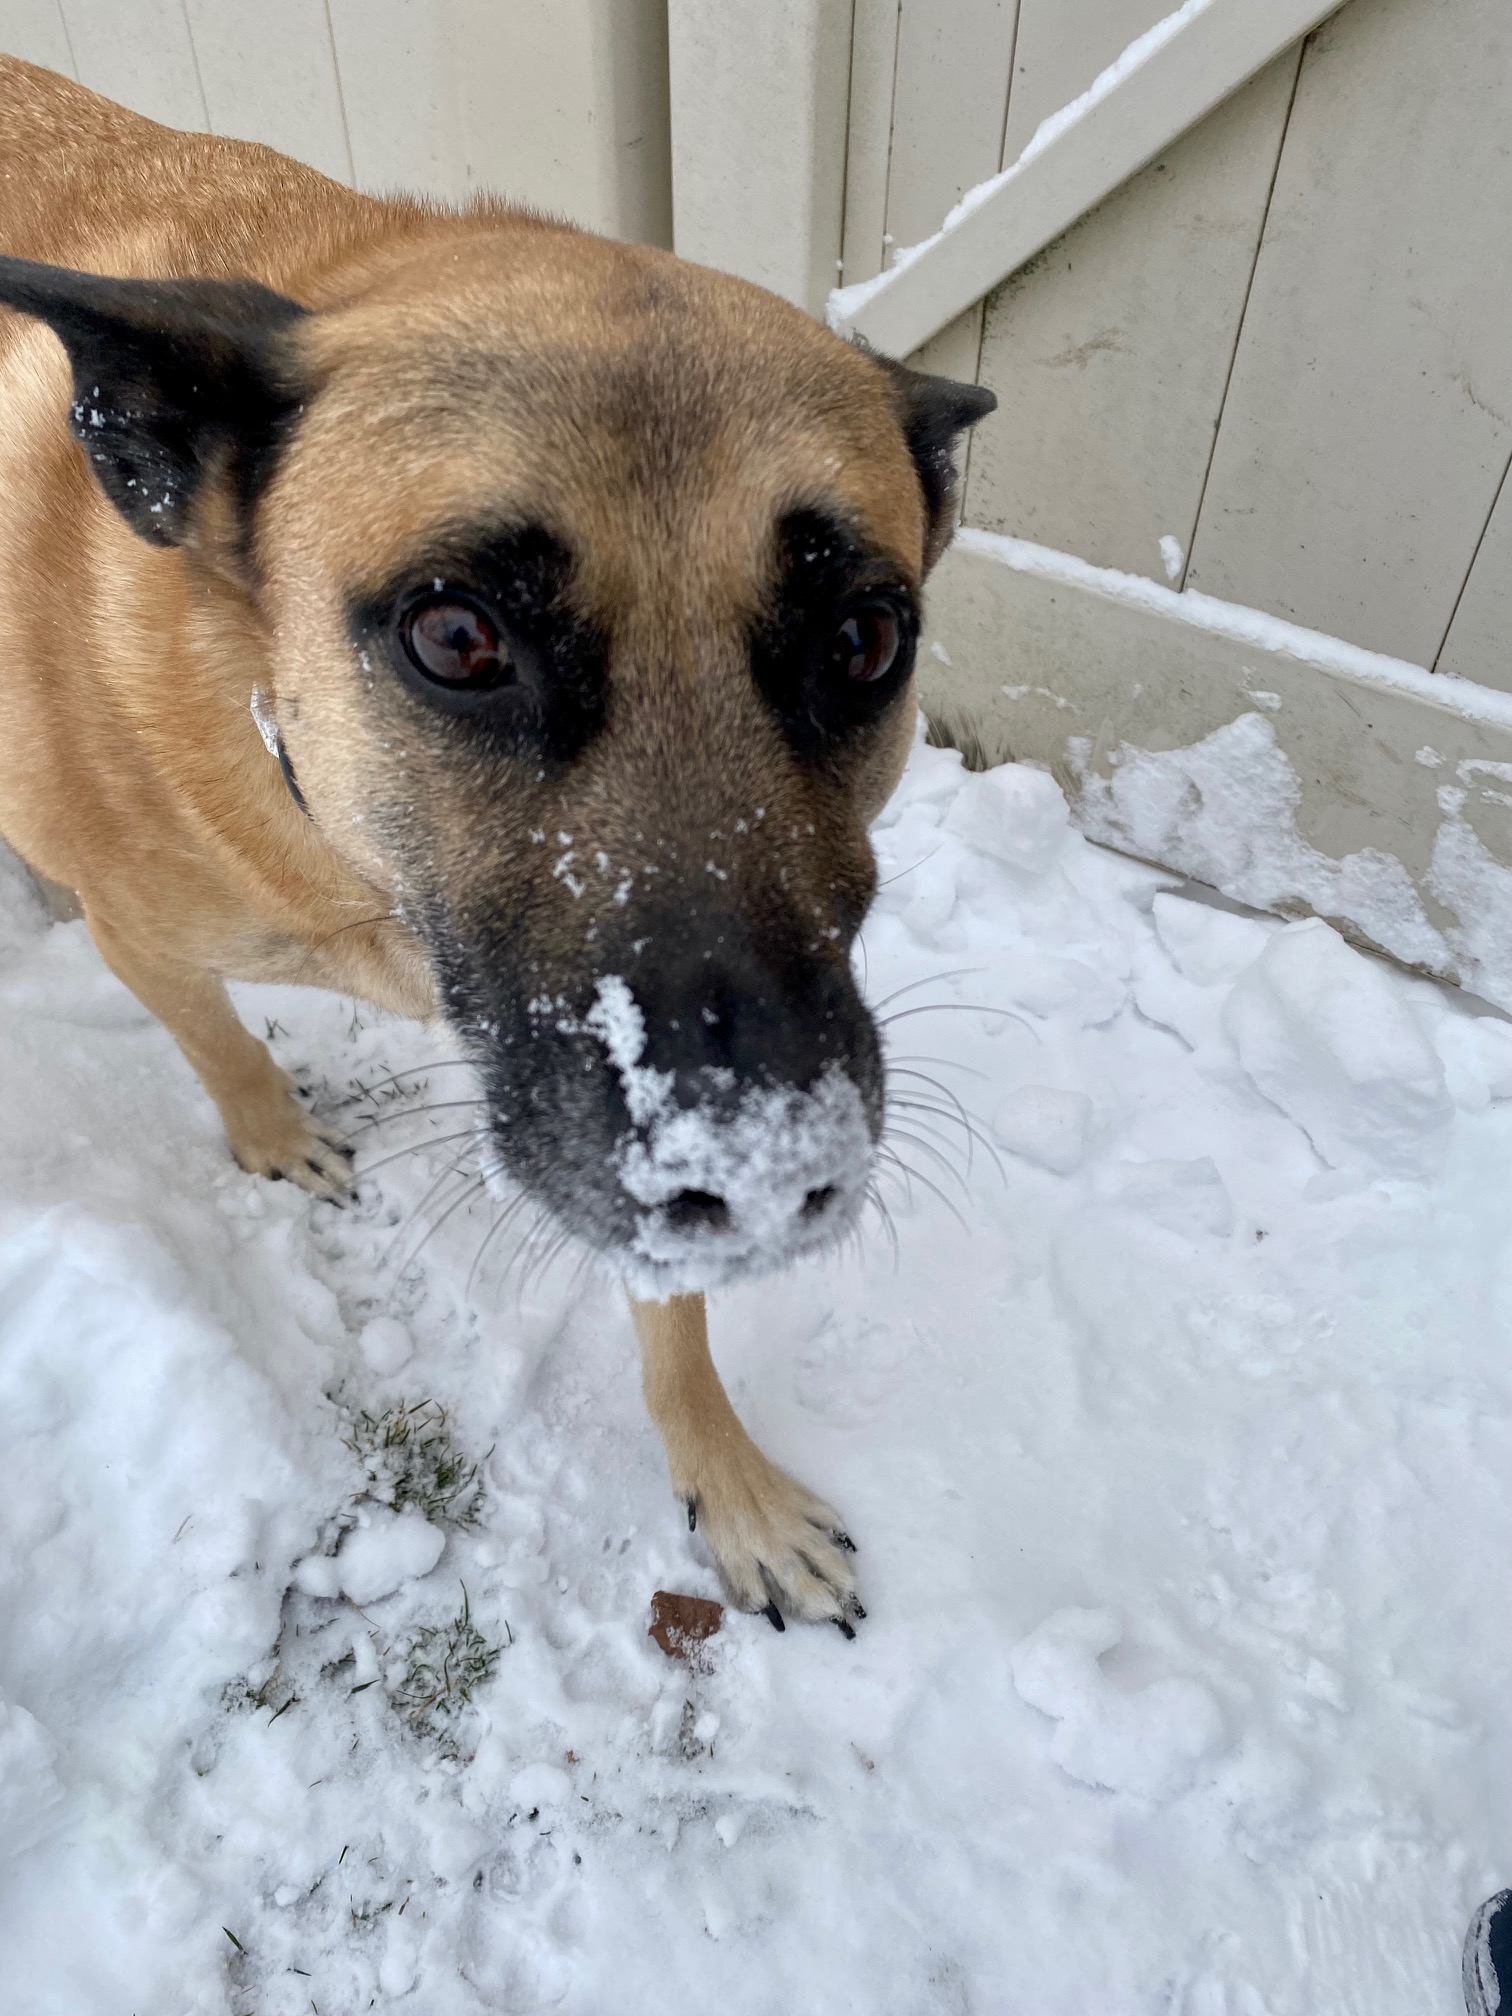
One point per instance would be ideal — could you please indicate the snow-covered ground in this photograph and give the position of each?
(1181, 1471)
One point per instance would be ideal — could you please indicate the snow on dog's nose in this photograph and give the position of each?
(732, 1180)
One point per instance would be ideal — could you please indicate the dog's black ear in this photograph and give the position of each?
(933, 413)
(176, 383)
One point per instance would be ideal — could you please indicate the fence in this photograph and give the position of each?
(1237, 558)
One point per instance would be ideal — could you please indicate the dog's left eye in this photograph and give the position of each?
(866, 644)
(456, 643)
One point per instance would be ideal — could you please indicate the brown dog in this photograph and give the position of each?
(575, 590)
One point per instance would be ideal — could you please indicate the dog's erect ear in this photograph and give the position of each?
(177, 384)
(933, 413)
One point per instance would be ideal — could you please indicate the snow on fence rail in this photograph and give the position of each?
(1161, 84)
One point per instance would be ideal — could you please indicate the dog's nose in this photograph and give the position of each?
(703, 1211)
(696, 1211)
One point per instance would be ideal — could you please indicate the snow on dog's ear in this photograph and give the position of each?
(933, 413)
(177, 385)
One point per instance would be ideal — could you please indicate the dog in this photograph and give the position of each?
(497, 623)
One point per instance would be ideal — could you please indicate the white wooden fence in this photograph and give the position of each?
(558, 103)
(1238, 550)
(1247, 309)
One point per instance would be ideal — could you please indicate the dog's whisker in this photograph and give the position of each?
(934, 1085)
(452, 1169)
(509, 1211)
(900, 1063)
(547, 1241)
(356, 924)
(398, 1077)
(930, 980)
(910, 869)
(970, 1124)
(470, 1190)
(960, 1008)
(890, 1163)
(925, 1119)
(431, 1141)
(408, 1113)
(465, 1170)
(935, 1155)
(918, 1176)
(878, 1203)
(521, 1258)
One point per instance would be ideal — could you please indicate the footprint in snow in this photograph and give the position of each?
(1145, 1740)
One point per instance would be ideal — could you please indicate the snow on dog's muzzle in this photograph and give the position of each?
(737, 1182)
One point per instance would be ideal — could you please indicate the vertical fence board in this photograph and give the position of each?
(141, 55)
(1109, 354)
(34, 31)
(554, 103)
(1062, 45)
(1479, 643)
(1369, 418)
(759, 94)
(269, 74)
(949, 101)
(634, 197)
(868, 138)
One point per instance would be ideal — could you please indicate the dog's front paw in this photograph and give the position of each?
(274, 1136)
(779, 1549)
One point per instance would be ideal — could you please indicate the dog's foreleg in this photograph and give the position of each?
(778, 1547)
(270, 1133)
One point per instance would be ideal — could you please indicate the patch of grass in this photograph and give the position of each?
(411, 1456)
(944, 731)
(447, 1664)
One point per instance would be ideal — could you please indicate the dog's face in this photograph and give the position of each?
(591, 581)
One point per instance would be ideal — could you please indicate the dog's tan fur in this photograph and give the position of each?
(131, 770)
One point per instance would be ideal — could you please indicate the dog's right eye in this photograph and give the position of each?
(457, 644)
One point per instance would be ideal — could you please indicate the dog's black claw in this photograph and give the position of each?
(774, 1617)
(275, 1176)
(844, 1541)
(692, 1515)
(856, 1609)
(847, 1629)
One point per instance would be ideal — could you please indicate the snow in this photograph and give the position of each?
(1149, 1741)
(1179, 1467)
(1045, 1124)
(1225, 810)
(377, 1557)
(1324, 1034)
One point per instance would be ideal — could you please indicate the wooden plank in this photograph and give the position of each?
(759, 94)
(1479, 643)
(269, 73)
(34, 31)
(950, 100)
(1061, 47)
(633, 83)
(556, 103)
(1110, 354)
(1370, 415)
(1355, 786)
(141, 55)
(868, 138)
(1205, 56)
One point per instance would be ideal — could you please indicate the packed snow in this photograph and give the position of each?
(1176, 1437)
